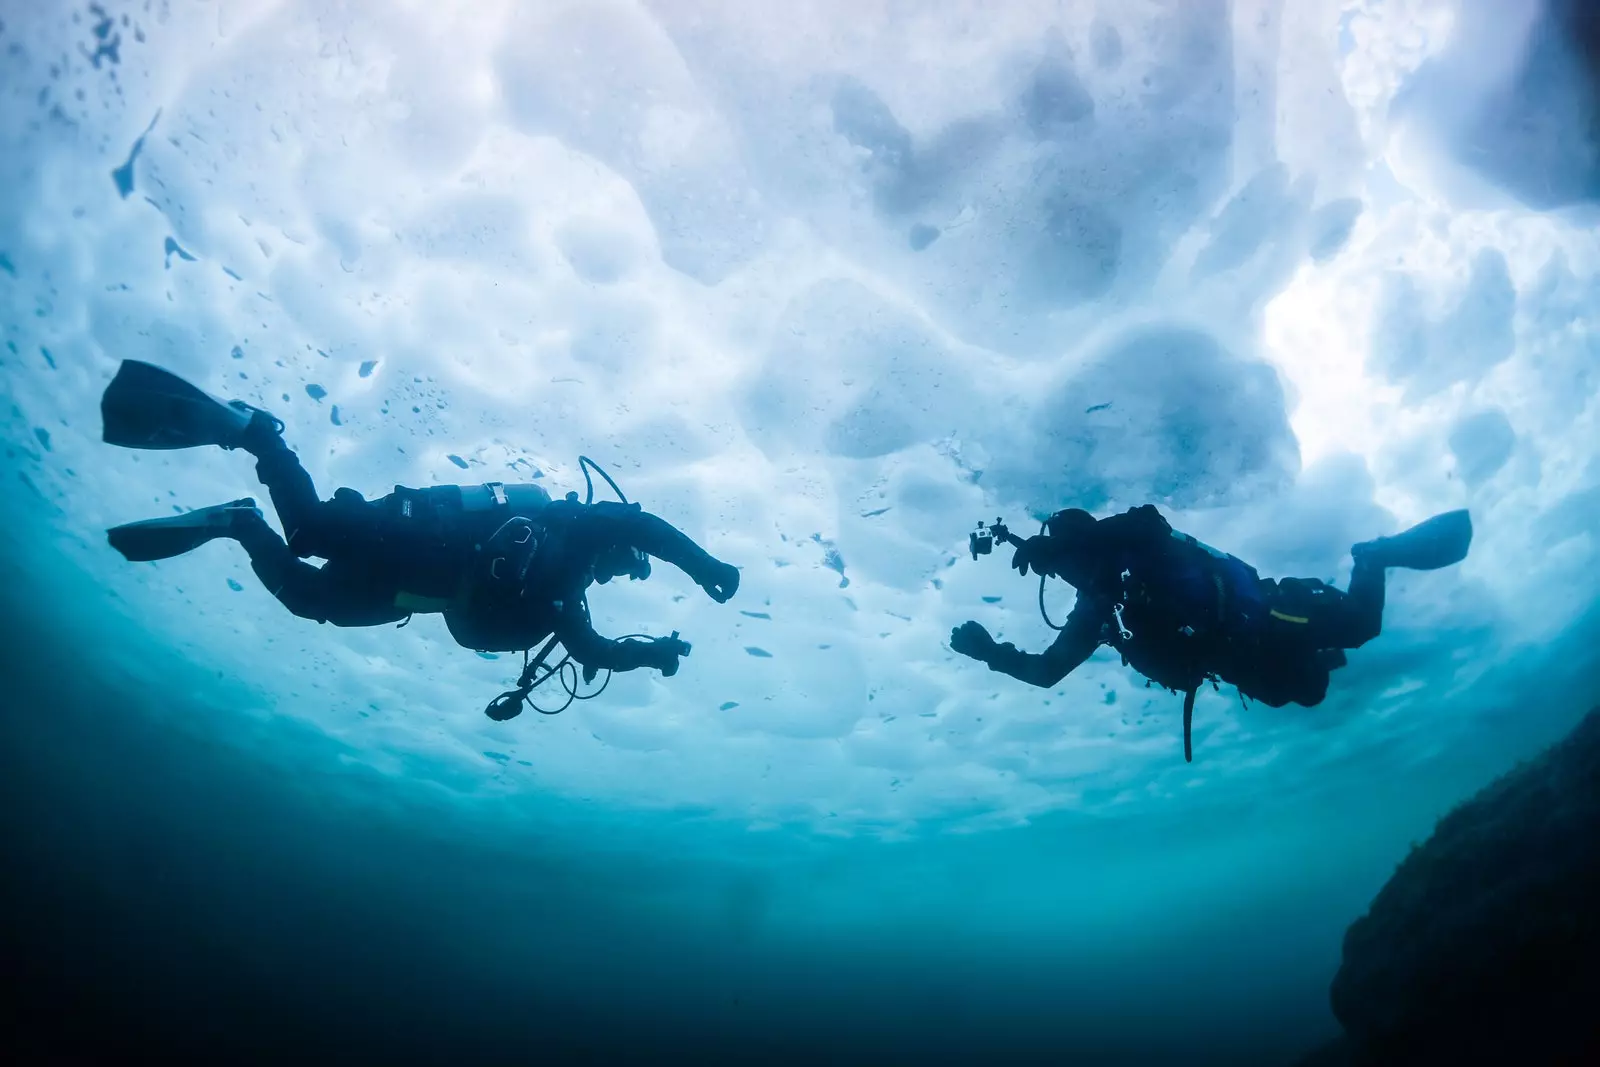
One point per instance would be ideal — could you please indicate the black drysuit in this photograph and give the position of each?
(1178, 612)
(424, 550)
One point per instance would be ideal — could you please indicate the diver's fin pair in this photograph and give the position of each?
(1427, 546)
(147, 407)
(152, 539)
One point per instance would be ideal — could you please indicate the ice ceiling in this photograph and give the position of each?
(823, 284)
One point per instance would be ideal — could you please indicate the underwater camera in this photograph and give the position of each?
(981, 541)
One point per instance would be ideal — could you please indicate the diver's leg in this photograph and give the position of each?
(1314, 616)
(345, 525)
(1362, 605)
(287, 577)
(1308, 626)
(294, 496)
(335, 593)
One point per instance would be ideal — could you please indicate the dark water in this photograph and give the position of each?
(186, 880)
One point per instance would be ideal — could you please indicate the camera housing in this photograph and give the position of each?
(981, 541)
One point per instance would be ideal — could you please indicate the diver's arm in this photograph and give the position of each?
(596, 653)
(629, 524)
(1071, 648)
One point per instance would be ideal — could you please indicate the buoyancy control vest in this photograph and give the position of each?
(1180, 611)
(457, 540)
(1186, 590)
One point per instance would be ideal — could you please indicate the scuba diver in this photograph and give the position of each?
(1181, 612)
(505, 565)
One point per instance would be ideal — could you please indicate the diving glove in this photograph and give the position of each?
(720, 581)
(1035, 552)
(972, 640)
(666, 651)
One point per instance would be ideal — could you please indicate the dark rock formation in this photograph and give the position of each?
(1485, 945)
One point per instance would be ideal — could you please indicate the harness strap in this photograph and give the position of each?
(1188, 721)
(495, 498)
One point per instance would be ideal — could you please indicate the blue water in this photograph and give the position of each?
(822, 288)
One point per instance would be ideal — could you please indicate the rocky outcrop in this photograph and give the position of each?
(1485, 944)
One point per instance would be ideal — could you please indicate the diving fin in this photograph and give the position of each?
(1427, 546)
(152, 539)
(147, 407)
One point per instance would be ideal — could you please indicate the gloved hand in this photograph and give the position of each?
(1035, 552)
(971, 639)
(720, 581)
(665, 653)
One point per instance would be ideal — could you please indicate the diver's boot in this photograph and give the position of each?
(147, 407)
(1429, 545)
(173, 535)
(262, 434)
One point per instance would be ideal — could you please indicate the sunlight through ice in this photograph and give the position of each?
(822, 285)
